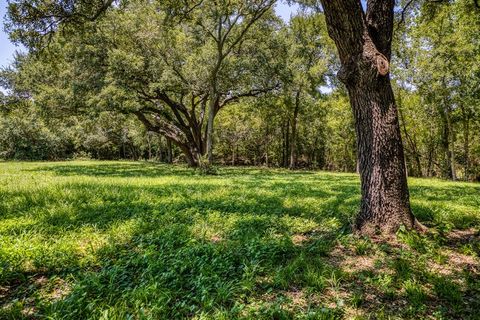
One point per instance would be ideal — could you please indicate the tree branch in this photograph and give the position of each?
(250, 93)
(346, 26)
(379, 19)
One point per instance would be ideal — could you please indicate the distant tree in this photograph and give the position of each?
(340, 134)
(307, 66)
(447, 76)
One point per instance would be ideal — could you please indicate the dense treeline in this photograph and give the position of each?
(29, 136)
(236, 85)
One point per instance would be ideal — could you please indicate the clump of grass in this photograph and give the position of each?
(471, 249)
(357, 299)
(205, 167)
(415, 293)
(363, 246)
(419, 243)
(446, 289)
(402, 267)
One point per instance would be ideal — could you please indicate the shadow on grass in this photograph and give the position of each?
(139, 169)
(152, 169)
(452, 193)
(239, 245)
(455, 205)
(413, 276)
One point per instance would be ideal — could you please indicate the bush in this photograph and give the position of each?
(205, 167)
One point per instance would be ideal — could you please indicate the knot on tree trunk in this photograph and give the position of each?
(375, 58)
(382, 64)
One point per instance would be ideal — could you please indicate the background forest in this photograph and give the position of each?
(238, 86)
(371, 89)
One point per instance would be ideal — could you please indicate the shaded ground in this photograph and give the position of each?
(118, 240)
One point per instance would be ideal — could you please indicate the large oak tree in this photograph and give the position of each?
(364, 41)
(173, 65)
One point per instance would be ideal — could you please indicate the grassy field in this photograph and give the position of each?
(125, 240)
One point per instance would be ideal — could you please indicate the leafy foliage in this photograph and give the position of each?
(166, 65)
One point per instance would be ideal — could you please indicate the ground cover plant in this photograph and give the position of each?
(133, 240)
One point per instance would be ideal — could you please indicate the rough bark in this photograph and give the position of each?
(363, 41)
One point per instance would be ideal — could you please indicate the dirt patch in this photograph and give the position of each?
(456, 261)
(297, 297)
(216, 238)
(28, 292)
(57, 289)
(354, 264)
(350, 262)
(299, 239)
(460, 237)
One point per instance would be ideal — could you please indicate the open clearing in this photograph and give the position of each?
(130, 240)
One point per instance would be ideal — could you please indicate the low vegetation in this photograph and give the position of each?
(130, 240)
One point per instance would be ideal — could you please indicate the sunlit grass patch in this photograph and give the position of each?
(114, 240)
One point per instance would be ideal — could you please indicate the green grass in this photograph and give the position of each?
(125, 240)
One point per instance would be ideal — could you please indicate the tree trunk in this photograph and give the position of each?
(385, 198)
(453, 171)
(466, 146)
(191, 154)
(411, 142)
(210, 122)
(364, 45)
(293, 150)
(418, 163)
(430, 155)
(186, 137)
(431, 147)
(448, 167)
(285, 143)
(149, 146)
(159, 149)
(169, 151)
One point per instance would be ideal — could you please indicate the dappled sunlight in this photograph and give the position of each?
(112, 169)
(247, 244)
